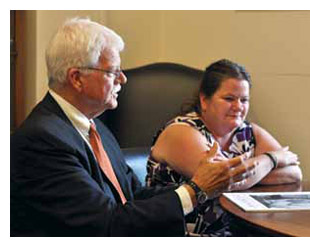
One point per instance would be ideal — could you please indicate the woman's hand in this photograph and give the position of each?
(287, 170)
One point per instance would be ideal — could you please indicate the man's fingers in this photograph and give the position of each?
(214, 149)
(235, 161)
(238, 181)
(237, 185)
(243, 171)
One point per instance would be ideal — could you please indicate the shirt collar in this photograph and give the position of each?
(77, 118)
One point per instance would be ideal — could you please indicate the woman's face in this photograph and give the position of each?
(229, 105)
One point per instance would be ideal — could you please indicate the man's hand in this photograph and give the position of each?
(217, 177)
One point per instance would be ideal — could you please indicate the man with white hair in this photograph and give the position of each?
(68, 175)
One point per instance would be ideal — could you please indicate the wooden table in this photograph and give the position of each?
(295, 223)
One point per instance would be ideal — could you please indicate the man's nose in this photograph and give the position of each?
(122, 79)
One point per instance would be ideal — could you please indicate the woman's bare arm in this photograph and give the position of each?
(287, 171)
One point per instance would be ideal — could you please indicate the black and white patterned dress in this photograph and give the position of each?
(243, 141)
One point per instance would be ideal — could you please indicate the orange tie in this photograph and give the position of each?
(103, 159)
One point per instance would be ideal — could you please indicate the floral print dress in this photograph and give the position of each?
(243, 142)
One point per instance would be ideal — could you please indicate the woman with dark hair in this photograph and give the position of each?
(217, 117)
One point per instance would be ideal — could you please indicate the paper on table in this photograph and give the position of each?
(271, 201)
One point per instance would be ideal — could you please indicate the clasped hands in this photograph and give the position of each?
(217, 174)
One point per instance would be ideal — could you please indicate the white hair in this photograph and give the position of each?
(78, 43)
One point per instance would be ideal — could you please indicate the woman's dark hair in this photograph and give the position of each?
(212, 78)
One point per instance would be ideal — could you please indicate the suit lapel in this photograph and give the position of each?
(73, 137)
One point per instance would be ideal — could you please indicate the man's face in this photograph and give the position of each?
(100, 88)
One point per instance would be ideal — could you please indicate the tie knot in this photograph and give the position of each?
(92, 127)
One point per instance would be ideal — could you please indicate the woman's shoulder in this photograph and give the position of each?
(183, 123)
(190, 126)
(255, 129)
(191, 119)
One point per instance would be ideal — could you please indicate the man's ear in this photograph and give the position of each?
(74, 78)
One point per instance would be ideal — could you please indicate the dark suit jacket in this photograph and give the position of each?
(58, 189)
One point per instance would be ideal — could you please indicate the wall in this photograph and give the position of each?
(274, 46)
(195, 38)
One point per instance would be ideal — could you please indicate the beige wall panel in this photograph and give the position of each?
(29, 65)
(143, 35)
(197, 38)
(273, 42)
(281, 105)
(273, 46)
(194, 38)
